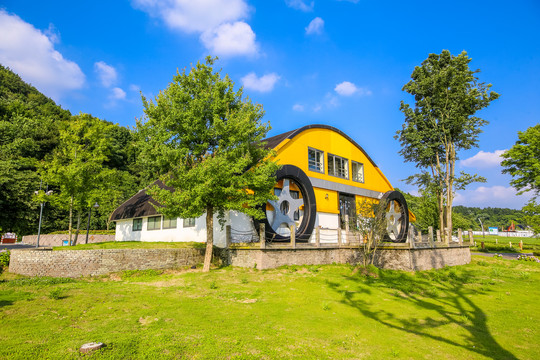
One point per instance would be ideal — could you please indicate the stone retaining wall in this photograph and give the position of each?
(75, 263)
(57, 239)
(396, 259)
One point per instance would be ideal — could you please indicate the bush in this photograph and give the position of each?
(4, 260)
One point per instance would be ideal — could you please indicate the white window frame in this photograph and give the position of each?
(335, 170)
(315, 165)
(188, 222)
(154, 228)
(139, 223)
(355, 173)
(170, 222)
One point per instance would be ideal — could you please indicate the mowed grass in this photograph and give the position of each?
(501, 243)
(485, 310)
(132, 245)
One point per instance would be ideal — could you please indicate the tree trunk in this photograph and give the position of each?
(70, 218)
(78, 227)
(209, 238)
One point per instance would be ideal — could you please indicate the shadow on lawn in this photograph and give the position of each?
(439, 291)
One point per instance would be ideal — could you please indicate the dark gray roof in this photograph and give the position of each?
(140, 204)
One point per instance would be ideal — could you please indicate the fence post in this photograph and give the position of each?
(318, 236)
(438, 235)
(411, 238)
(471, 240)
(430, 236)
(521, 244)
(228, 236)
(293, 236)
(460, 237)
(339, 237)
(262, 237)
(420, 236)
(448, 236)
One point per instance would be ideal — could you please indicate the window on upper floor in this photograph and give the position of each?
(357, 170)
(315, 160)
(154, 223)
(169, 223)
(338, 166)
(137, 224)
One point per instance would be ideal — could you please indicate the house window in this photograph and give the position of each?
(137, 224)
(338, 166)
(169, 223)
(154, 223)
(357, 170)
(316, 160)
(189, 222)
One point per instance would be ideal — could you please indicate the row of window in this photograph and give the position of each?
(155, 223)
(337, 165)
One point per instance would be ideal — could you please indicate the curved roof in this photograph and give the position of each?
(274, 141)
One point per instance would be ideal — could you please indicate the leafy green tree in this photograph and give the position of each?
(78, 165)
(522, 161)
(203, 139)
(447, 94)
(532, 215)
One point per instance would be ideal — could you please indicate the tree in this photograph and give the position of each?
(77, 166)
(447, 94)
(522, 161)
(532, 215)
(203, 139)
(371, 227)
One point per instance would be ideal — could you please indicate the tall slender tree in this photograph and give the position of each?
(203, 139)
(447, 95)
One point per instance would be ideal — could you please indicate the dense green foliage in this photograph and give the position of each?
(447, 94)
(35, 134)
(522, 161)
(485, 310)
(203, 139)
(28, 131)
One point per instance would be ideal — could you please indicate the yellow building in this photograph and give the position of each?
(324, 176)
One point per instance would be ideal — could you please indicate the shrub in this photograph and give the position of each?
(4, 260)
(55, 294)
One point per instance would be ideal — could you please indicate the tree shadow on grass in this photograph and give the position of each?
(441, 291)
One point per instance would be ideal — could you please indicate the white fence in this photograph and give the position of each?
(522, 233)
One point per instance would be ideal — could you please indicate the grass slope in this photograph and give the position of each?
(485, 310)
(501, 243)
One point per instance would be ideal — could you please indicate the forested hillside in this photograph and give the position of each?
(30, 134)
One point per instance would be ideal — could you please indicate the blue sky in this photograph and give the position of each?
(341, 63)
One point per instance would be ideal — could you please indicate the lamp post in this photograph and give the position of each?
(96, 206)
(47, 193)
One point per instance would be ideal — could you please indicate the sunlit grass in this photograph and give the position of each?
(487, 309)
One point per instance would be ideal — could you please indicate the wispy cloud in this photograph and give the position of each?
(298, 107)
(300, 5)
(483, 159)
(118, 94)
(31, 54)
(347, 88)
(263, 84)
(220, 23)
(316, 26)
(107, 74)
(494, 196)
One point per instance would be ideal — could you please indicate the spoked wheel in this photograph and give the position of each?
(295, 206)
(397, 216)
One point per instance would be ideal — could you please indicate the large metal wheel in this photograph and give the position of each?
(295, 206)
(397, 216)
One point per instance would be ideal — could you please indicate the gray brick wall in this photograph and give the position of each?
(75, 263)
(56, 239)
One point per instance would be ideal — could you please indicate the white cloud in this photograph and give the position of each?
(494, 196)
(316, 26)
(218, 22)
(300, 5)
(194, 16)
(264, 83)
(31, 54)
(118, 94)
(347, 88)
(298, 107)
(135, 88)
(106, 73)
(484, 159)
(231, 39)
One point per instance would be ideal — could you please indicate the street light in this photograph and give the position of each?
(47, 193)
(96, 205)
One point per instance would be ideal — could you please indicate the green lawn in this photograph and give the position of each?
(133, 245)
(485, 310)
(500, 243)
